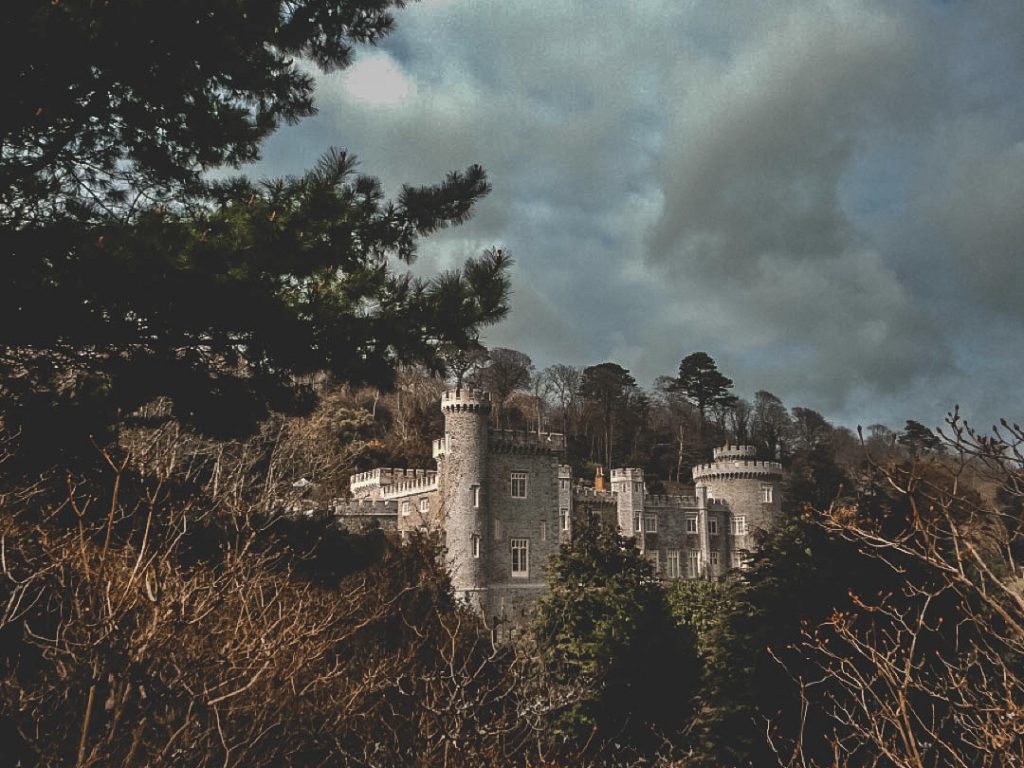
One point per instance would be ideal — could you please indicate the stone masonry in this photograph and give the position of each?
(503, 503)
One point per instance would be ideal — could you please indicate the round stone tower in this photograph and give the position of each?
(749, 486)
(462, 486)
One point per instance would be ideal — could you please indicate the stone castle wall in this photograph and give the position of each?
(469, 500)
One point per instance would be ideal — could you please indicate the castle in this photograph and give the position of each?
(503, 504)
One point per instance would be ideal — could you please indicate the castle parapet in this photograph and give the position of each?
(357, 514)
(738, 468)
(466, 399)
(419, 482)
(663, 500)
(364, 507)
(524, 441)
(385, 480)
(734, 452)
(591, 494)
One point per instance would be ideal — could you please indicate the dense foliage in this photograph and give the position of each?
(131, 275)
(606, 626)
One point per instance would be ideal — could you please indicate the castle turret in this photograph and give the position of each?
(462, 474)
(749, 486)
(628, 487)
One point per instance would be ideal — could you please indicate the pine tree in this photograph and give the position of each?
(131, 276)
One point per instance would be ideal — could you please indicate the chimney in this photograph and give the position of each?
(599, 478)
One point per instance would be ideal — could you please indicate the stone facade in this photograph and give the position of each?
(503, 504)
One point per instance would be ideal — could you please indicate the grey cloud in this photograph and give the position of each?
(799, 188)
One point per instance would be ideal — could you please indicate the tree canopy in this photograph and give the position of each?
(703, 384)
(132, 275)
(605, 629)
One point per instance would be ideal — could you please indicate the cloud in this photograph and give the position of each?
(377, 80)
(823, 195)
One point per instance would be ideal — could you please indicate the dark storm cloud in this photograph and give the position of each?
(825, 196)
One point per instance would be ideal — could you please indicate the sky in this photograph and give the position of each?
(825, 196)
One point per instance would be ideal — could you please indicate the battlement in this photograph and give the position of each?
(739, 468)
(524, 441)
(564, 471)
(384, 477)
(411, 485)
(364, 508)
(466, 399)
(627, 474)
(734, 452)
(670, 500)
(592, 494)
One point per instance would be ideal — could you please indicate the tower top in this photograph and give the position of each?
(466, 399)
(735, 452)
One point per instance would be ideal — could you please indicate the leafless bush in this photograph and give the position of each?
(142, 627)
(929, 673)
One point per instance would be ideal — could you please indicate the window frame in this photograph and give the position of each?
(520, 545)
(738, 525)
(424, 505)
(650, 523)
(691, 524)
(767, 494)
(693, 563)
(563, 519)
(515, 477)
(712, 526)
(653, 557)
(672, 559)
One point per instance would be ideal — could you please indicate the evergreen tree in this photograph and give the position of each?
(605, 632)
(703, 385)
(130, 276)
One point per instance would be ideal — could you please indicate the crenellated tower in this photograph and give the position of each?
(750, 486)
(462, 481)
(628, 487)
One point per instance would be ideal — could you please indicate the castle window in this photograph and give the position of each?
(766, 494)
(638, 522)
(563, 519)
(563, 484)
(476, 495)
(714, 556)
(713, 526)
(691, 523)
(738, 525)
(521, 558)
(672, 564)
(405, 509)
(517, 485)
(497, 529)
(424, 505)
(637, 487)
(651, 524)
(475, 543)
(738, 560)
(693, 563)
(543, 531)
(652, 557)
